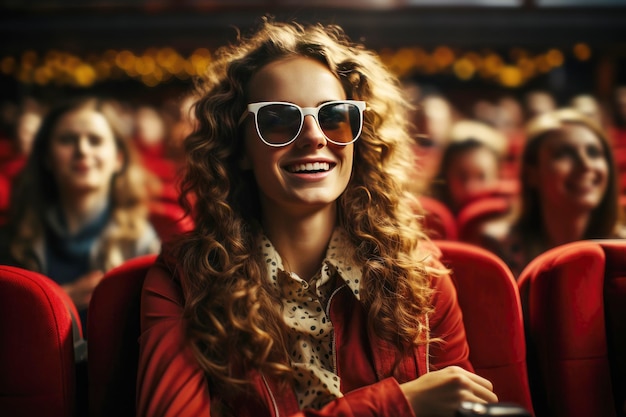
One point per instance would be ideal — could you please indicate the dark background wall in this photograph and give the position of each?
(87, 29)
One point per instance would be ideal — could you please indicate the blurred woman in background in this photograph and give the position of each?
(79, 207)
(569, 189)
(470, 166)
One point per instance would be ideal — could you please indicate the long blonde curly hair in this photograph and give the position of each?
(231, 313)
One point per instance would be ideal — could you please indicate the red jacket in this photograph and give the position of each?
(171, 383)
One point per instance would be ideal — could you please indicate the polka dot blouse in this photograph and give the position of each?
(304, 309)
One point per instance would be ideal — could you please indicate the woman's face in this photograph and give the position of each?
(286, 179)
(572, 172)
(83, 155)
(470, 173)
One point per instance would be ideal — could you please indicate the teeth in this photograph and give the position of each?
(311, 166)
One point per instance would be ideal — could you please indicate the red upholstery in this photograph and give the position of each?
(168, 219)
(5, 198)
(476, 214)
(37, 371)
(163, 168)
(565, 292)
(492, 315)
(439, 222)
(620, 158)
(169, 193)
(13, 167)
(7, 149)
(615, 307)
(113, 327)
(506, 188)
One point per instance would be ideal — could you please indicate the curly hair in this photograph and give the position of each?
(36, 190)
(232, 319)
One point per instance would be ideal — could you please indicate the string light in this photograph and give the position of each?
(582, 51)
(155, 66)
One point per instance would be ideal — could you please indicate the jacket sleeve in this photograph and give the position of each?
(446, 326)
(169, 380)
(384, 398)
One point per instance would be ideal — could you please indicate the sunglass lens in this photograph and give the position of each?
(341, 122)
(278, 123)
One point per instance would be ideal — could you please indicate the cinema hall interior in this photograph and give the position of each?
(313, 208)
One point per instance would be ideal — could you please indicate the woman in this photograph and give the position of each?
(470, 170)
(79, 206)
(306, 287)
(569, 189)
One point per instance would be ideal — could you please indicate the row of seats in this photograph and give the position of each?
(553, 342)
(440, 223)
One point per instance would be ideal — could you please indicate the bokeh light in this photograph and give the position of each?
(158, 65)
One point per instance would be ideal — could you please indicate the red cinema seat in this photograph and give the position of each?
(492, 315)
(439, 222)
(113, 328)
(37, 335)
(169, 220)
(574, 299)
(165, 169)
(475, 215)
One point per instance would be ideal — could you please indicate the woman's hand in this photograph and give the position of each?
(80, 291)
(440, 393)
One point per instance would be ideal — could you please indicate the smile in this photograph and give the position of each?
(312, 167)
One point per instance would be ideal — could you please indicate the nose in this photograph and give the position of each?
(311, 134)
(584, 160)
(81, 145)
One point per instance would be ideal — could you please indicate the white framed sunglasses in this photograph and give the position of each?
(279, 123)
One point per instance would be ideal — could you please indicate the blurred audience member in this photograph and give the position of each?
(79, 207)
(590, 107)
(152, 139)
(510, 116)
(470, 166)
(150, 131)
(17, 128)
(568, 189)
(507, 116)
(433, 118)
(184, 122)
(537, 102)
(21, 135)
(122, 114)
(27, 124)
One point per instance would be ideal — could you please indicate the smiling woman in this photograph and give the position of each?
(307, 287)
(79, 207)
(569, 189)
